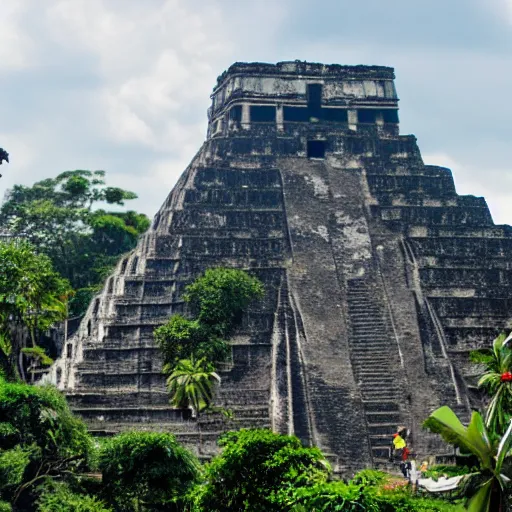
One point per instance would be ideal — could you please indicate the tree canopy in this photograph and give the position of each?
(218, 299)
(39, 439)
(254, 466)
(146, 468)
(221, 295)
(61, 218)
(32, 296)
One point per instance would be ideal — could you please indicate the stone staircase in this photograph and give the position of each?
(375, 359)
(108, 411)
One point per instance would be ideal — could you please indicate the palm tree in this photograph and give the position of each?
(487, 486)
(192, 383)
(497, 382)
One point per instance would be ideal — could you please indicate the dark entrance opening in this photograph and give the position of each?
(263, 114)
(314, 96)
(316, 148)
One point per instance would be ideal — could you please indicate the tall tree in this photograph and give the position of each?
(60, 216)
(32, 298)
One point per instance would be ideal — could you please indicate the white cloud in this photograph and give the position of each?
(508, 6)
(16, 46)
(153, 61)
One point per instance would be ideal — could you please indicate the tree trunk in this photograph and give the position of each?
(497, 502)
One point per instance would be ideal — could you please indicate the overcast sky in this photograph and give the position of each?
(123, 85)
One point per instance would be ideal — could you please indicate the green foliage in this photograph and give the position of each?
(403, 500)
(37, 421)
(496, 361)
(487, 487)
(5, 507)
(57, 216)
(191, 347)
(58, 497)
(181, 339)
(218, 298)
(191, 384)
(83, 296)
(257, 470)
(447, 471)
(37, 353)
(352, 497)
(32, 295)
(13, 464)
(148, 469)
(221, 295)
(370, 477)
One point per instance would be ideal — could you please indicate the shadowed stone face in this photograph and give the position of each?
(379, 278)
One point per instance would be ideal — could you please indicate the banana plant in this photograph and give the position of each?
(497, 382)
(487, 487)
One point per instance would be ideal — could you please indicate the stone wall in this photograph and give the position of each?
(379, 279)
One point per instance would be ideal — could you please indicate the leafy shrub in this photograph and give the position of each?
(402, 500)
(146, 468)
(448, 471)
(370, 477)
(13, 464)
(221, 295)
(5, 507)
(257, 471)
(58, 497)
(181, 339)
(357, 496)
(218, 299)
(41, 416)
(39, 438)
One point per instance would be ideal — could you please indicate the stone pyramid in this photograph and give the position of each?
(379, 277)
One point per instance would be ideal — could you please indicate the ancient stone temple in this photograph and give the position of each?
(379, 277)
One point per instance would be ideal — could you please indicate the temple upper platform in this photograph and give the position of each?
(303, 92)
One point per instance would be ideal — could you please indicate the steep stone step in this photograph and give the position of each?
(235, 424)
(378, 388)
(373, 394)
(381, 454)
(370, 395)
(119, 399)
(370, 343)
(377, 440)
(376, 418)
(384, 428)
(378, 378)
(104, 428)
(371, 360)
(365, 357)
(381, 406)
(133, 414)
(230, 397)
(240, 412)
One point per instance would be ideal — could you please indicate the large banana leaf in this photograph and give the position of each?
(478, 438)
(504, 448)
(481, 500)
(444, 421)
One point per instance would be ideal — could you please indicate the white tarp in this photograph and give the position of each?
(442, 484)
